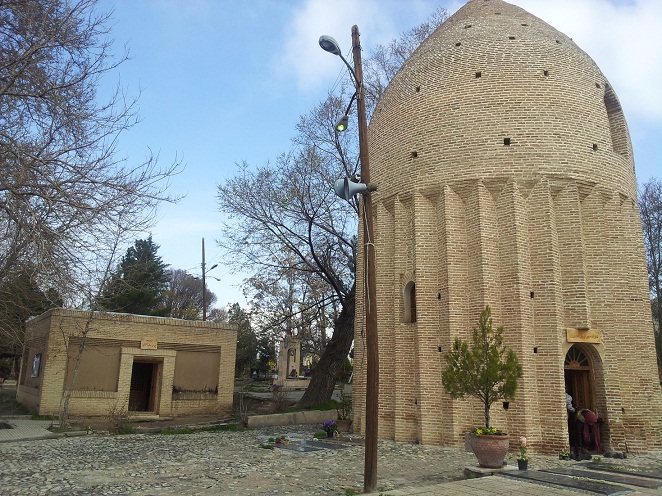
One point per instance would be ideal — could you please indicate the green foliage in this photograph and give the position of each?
(180, 430)
(344, 408)
(489, 370)
(247, 341)
(138, 283)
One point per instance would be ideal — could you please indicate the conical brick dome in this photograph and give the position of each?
(496, 92)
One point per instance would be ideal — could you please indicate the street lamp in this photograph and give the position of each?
(370, 294)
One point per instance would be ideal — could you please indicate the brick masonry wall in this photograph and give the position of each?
(55, 327)
(510, 183)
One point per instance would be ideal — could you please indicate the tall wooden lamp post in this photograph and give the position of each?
(370, 294)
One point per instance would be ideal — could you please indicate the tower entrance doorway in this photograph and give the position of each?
(144, 381)
(579, 383)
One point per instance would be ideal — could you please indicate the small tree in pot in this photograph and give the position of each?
(488, 370)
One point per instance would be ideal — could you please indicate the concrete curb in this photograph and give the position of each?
(292, 418)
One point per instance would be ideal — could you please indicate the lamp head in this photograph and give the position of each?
(342, 123)
(330, 45)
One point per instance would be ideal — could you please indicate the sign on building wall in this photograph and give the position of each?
(148, 344)
(584, 336)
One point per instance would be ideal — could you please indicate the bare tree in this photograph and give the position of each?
(183, 298)
(287, 223)
(63, 190)
(650, 205)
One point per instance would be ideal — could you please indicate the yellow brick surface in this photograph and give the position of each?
(521, 195)
(140, 338)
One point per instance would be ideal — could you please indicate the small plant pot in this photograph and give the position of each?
(522, 464)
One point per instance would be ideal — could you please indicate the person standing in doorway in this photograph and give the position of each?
(572, 429)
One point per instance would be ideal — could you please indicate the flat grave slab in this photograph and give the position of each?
(298, 447)
(567, 481)
(621, 468)
(618, 478)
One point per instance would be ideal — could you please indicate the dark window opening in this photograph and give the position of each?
(478, 74)
(410, 302)
(617, 125)
(506, 141)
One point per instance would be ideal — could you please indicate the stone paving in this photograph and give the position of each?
(234, 463)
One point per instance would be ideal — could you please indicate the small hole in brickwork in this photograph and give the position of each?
(439, 349)
(622, 410)
(458, 44)
(467, 26)
(535, 350)
(497, 13)
(531, 294)
(478, 74)
(558, 42)
(418, 88)
(595, 147)
(511, 37)
(439, 296)
(597, 85)
(546, 73)
(524, 24)
(414, 154)
(506, 141)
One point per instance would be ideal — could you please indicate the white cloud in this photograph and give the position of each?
(623, 38)
(379, 21)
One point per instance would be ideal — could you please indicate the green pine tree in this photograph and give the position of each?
(489, 370)
(138, 284)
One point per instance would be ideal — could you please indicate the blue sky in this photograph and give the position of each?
(222, 81)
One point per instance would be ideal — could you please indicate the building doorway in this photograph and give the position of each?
(579, 383)
(144, 386)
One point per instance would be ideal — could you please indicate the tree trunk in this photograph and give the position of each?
(323, 380)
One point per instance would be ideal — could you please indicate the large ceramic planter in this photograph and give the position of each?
(490, 451)
(344, 425)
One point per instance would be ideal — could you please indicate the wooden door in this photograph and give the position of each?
(579, 379)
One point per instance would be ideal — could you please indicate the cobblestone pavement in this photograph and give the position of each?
(224, 463)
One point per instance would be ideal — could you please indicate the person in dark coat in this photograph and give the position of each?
(588, 431)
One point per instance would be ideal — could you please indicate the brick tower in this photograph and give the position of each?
(506, 177)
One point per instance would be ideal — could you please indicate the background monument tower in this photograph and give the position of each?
(506, 177)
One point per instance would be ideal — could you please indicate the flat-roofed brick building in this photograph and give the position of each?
(144, 365)
(506, 178)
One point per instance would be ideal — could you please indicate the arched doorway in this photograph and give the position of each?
(579, 383)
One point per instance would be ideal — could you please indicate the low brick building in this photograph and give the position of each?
(147, 365)
(506, 177)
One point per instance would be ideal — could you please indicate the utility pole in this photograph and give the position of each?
(370, 302)
(204, 285)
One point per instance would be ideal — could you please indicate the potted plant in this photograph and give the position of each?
(331, 428)
(488, 371)
(344, 410)
(522, 456)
